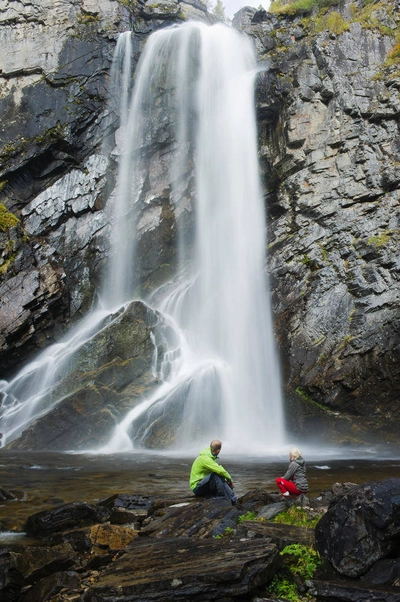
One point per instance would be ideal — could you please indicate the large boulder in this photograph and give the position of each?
(361, 528)
(186, 569)
(109, 375)
(67, 516)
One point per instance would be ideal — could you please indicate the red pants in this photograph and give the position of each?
(287, 486)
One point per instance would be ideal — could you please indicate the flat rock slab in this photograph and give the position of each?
(281, 535)
(186, 569)
(62, 518)
(199, 519)
(351, 592)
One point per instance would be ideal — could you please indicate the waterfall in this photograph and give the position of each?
(34, 391)
(219, 374)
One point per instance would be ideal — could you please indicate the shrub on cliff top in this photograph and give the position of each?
(299, 7)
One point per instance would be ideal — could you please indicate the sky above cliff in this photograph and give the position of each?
(232, 6)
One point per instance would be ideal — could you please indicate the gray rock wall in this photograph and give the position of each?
(56, 129)
(329, 140)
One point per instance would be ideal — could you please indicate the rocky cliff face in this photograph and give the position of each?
(328, 110)
(54, 129)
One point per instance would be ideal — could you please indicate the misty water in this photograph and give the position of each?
(219, 356)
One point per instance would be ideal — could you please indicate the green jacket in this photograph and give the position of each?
(204, 465)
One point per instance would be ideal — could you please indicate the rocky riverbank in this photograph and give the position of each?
(141, 547)
(327, 99)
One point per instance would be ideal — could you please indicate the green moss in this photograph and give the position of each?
(128, 3)
(347, 339)
(87, 19)
(8, 150)
(306, 397)
(248, 516)
(5, 265)
(7, 219)
(333, 22)
(50, 135)
(227, 533)
(299, 7)
(295, 516)
(324, 252)
(319, 340)
(380, 240)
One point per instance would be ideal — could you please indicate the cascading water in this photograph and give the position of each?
(34, 391)
(219, 373)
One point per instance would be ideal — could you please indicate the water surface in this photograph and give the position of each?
(44, 480)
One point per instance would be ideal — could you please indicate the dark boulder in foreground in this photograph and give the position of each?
(361, 528)
(68, 516)
(186, 569)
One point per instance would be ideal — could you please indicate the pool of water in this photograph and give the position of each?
(45, 480)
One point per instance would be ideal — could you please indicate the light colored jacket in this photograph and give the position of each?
(205, 464)
(296, 472)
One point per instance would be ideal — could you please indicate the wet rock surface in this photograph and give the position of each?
(328, 108)
(361, 528)
(172, 553)
(107, 376)
(328, 130)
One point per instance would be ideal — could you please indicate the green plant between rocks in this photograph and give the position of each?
(393, 56)
(283, 588)
(295, 516)
(226, 533)
(379, 240)
(248, 516)
(333, 22)
(303, 560)
(300, 561)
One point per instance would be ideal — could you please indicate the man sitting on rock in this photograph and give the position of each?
(207, 477)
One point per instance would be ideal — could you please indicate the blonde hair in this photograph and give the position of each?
(294, 452)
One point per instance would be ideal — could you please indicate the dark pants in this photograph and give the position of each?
(215, 485)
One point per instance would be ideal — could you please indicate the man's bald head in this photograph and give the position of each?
(215, 447)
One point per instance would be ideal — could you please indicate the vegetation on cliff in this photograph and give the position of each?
(7, 219)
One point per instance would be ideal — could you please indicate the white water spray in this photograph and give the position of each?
(221, 370)
(219, 374)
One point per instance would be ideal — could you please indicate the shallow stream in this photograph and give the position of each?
(44, 480)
